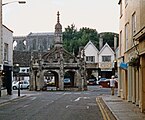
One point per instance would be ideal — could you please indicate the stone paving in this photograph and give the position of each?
(122, 109)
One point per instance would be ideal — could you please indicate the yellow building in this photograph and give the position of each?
(132, 52)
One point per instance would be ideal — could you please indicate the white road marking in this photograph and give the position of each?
(67, 106)
(77, 99)
(33, 98)
(76, 107)
(26, 105)
(77, 93)
(87, 107)
(80, 98)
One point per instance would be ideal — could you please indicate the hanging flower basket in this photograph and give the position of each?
(134, 62)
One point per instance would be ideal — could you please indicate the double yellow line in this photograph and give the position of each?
(103, 111)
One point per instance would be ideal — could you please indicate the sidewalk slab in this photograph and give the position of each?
(8, 98)
(122, 109)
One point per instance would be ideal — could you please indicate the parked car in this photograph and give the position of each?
(104, 82)
(49, 82)
(23, 85)
(91, 81)
(66, 81)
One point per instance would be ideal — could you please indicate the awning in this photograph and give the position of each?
(123, 65)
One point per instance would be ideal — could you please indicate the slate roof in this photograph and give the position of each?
(22, 58)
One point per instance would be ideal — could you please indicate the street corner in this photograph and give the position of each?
(106, 112)
(9, 98)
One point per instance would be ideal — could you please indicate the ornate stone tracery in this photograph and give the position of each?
(58, 61)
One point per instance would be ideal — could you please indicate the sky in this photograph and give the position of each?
(41, 15)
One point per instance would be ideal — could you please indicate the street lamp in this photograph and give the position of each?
(20, 2)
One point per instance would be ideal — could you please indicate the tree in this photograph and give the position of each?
(73, 39)
(109, 38)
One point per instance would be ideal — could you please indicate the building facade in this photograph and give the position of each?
(34, 42)
(24, 46)
(100, 63)
(91, 58)
(106, 61)
(7, 55)
(131, 52)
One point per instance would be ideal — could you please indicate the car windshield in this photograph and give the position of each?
(102, 79)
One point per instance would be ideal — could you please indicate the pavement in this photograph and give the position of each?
(8, 98)
(118, 109)
(112, 107)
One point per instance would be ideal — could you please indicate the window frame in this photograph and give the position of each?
(6, 52)
(106, 58)
(134, 23)
(126, 36)
(90, 58)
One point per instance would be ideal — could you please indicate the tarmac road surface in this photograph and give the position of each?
(55, 106)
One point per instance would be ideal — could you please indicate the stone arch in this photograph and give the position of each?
(51, 76)
(70, 74)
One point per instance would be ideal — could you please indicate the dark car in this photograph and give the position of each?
(91, 81)
(104, 82)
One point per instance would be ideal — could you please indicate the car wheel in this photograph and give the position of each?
(27, 87)
(14, 87)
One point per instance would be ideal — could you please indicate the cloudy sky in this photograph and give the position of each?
(40, 15)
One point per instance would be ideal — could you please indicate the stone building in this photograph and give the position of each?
(24, 46)
(34, 42)
(7, 64)
(58, 63)
(132, 52)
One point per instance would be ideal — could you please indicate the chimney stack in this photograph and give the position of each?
(100, 42)
(115, 42)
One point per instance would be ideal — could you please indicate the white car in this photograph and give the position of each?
(23, 85)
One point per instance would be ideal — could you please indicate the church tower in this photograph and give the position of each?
(58, 33)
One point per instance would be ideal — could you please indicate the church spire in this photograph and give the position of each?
(58, 17)
(58, 27)
(58, 32)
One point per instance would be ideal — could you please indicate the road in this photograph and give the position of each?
(55, 106)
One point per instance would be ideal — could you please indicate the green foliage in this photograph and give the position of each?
(134, 62)
(73, 38)
(109, 38)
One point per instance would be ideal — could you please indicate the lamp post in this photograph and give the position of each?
(16, 70)
(20, 2)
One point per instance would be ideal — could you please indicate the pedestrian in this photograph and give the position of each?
(112, 84)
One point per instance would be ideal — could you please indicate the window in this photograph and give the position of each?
(106, 58)
(34, 44)
(133, 23)
(120, 7)
(27, 70)
(126, 3)
(120, 42)
(90, 58)
(5, 52)
(45, 44)
(126, 36)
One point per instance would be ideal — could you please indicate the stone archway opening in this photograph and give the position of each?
(51, 79)
(69, 75)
